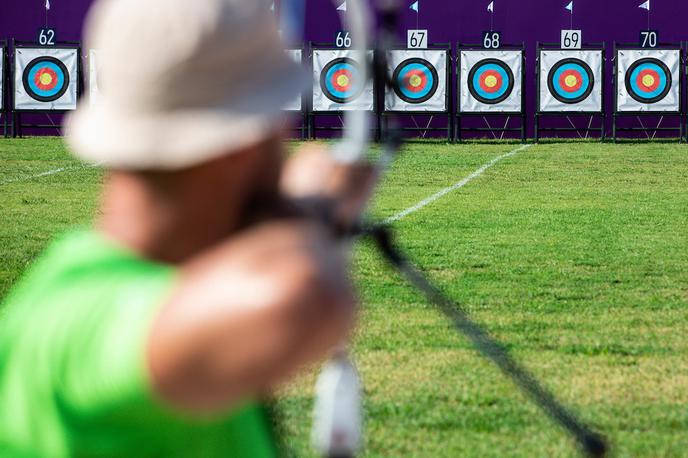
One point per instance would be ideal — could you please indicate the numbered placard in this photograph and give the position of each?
(492, 40)
(46, 37)
(342, 39)
(649, 39)
(417, 39)
(571, 39)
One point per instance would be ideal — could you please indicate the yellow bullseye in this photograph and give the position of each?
(46, 79)
(570, 81)
(491, 81)
(415, 81)
(648, 80)
(342, 80)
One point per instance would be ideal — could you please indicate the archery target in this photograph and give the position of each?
(570, 81)
(296, 104)
(419, 81)
(337, 82)
(490, 81)
(45, 79)
(648, 80)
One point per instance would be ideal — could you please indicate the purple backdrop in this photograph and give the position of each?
(459, 20)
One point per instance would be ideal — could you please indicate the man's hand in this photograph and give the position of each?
(312, 174)
(248, 313)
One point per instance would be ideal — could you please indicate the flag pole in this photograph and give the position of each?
(417, 15)
(648, 18)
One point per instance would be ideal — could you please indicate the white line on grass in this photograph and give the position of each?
(438, 195)
(48, 173)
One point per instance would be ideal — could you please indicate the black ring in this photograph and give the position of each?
(510, 85)
(323, 84)
(37, 61)
(636, 64)
(423, 62)
(553, 71)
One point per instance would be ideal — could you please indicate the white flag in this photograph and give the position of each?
(570, 6)
(490, 7)
(645, 6)
(342, 7)
(47, 5)
(414, 7)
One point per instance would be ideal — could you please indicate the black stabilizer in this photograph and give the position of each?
(591, 443)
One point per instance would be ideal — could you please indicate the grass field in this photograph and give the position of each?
(575, 254)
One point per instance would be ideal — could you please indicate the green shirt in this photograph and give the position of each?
(73, 380)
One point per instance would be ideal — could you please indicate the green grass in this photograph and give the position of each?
(575, 254)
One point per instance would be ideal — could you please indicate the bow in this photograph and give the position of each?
(337, 427)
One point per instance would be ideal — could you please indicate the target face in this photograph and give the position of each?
(340, 80)
(45, 79)
(648, 80)
(571, 81)
(491, 81)
(415, 80)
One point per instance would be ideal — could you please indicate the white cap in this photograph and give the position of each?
(182, 82)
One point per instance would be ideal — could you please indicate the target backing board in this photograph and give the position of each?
(648, 80)
(419, 79)
(93, 67)
(337, 84)
(570, 81)
(491, 81)
(296, 104)
(45, 78)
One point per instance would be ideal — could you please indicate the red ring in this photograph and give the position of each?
(336, 76)
(40, 85)
(639, 80)
(423, 78)
(496, 87)
(562, 81)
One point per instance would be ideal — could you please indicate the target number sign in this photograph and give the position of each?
(417, 39)
(342, 39)
(46, 37)
(571, 39)
(648, 39)
(492, 40)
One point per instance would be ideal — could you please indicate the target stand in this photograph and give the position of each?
(336, 89)
(46, 80)
(421, 88)
(648, 84)
(491, 85)
(570, 89)
(4, 84)
(296, 108)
